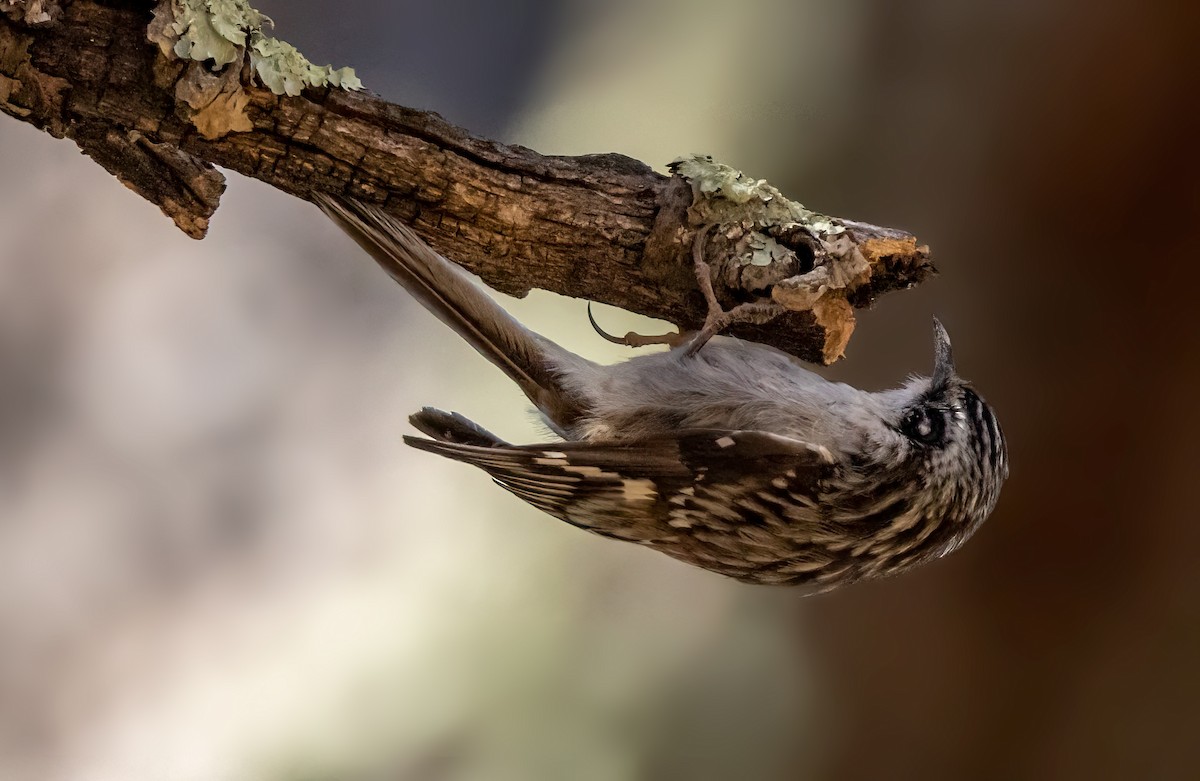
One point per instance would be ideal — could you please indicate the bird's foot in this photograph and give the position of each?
(633, 339)
(718, 319)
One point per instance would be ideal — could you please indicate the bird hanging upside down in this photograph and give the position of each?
(722, 453)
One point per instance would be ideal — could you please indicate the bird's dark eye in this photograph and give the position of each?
(923, 425)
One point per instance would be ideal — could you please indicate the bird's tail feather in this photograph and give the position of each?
(454, 428)
(530, 360)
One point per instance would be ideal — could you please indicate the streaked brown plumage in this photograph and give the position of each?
(735, 459)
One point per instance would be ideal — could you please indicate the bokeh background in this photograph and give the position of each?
(218, 561)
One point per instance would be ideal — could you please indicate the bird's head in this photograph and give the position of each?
(949, 443)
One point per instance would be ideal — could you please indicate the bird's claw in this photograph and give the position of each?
(718, 319)
(633, 339)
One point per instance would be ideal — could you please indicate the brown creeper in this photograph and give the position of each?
(733, 457)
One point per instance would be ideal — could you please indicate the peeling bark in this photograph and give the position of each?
(603, 227)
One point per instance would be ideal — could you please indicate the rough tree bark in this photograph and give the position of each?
(603, 227)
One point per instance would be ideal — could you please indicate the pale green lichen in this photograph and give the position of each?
(223, 31)
(284, 70)
(724, 195)
(758, 223)
(213, 29)
(716, 180)
(764, 250)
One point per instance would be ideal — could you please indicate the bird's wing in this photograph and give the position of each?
(746, 503)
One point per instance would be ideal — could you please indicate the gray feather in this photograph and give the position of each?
(736, 458)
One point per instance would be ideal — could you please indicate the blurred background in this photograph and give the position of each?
(218, 560)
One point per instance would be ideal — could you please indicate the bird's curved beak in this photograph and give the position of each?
(943, 355)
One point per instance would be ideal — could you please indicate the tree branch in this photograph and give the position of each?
(602, 227)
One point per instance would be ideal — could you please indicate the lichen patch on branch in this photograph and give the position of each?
(599, 227)
(723, 194)
(777, 248)
(229, 34)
